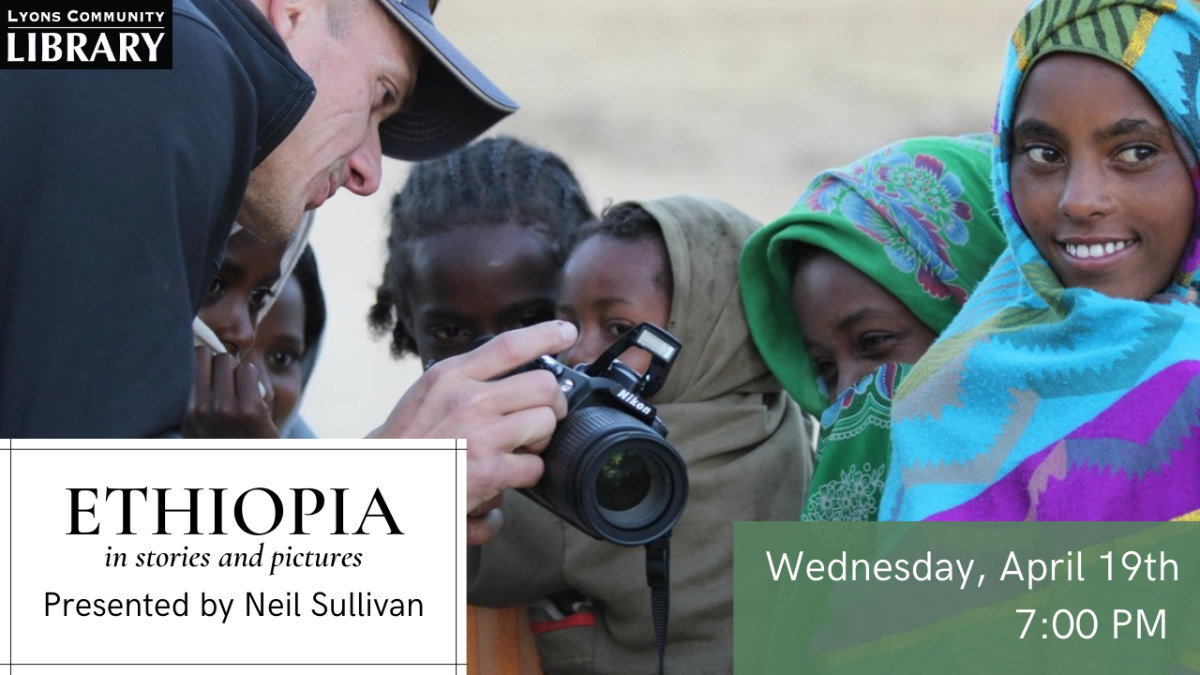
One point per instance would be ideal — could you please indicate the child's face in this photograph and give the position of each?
(472, 282)
(609, 286)
(278, 347)
(1097, 180)
(239, 290)
(852, 325)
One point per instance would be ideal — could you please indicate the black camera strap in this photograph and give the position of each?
(658, 576)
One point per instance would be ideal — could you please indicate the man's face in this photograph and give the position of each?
(364, 65)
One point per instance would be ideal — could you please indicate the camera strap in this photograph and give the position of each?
(658, 577)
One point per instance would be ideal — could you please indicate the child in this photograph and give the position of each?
(618, 276)
(869, 267)
(287, 341)
(671, 261)
(1068, 388)
(231, 397)
(476, 248)
(477, 242)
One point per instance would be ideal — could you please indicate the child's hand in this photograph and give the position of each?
(227, 400)
(485, 521)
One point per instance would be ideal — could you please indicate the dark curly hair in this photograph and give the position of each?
(490, 183)
(629, 222)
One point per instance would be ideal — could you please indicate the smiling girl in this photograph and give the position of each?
(1097, 180)
(1069, 386)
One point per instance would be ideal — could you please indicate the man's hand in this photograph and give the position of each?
(506, 421)
(226, 400)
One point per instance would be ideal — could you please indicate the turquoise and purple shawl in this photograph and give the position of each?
(1045, 403)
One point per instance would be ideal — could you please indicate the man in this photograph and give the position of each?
(120, 187)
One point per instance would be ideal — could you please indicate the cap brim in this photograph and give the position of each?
(452, 102)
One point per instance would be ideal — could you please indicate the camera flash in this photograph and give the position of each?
(658, 346)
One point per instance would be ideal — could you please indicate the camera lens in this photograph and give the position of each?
(612, 477)
(629, 488)
(623, 482)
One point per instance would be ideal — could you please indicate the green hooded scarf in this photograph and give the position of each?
(916, 218)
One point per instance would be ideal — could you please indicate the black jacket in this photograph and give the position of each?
(118, 189)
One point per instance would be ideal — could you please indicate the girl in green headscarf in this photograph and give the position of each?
(858, 280)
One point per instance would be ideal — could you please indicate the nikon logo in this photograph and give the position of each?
(634, 401)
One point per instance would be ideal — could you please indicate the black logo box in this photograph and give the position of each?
(85, 34)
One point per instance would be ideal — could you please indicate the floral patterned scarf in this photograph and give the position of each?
(916, 218)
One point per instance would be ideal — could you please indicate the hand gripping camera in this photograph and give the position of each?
(609, 469)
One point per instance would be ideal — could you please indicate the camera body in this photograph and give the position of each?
(609, 470)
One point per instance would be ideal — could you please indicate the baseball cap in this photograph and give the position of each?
(452, 103)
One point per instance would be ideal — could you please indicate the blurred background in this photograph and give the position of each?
(741, 100)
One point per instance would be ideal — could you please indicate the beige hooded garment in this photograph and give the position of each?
(748, 458)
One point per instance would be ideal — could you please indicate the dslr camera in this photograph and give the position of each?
(609, 469)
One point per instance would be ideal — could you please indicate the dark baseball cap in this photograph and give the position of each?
(452, 102)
